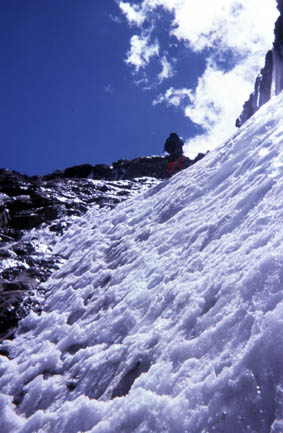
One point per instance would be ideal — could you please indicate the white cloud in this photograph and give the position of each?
(174, 97)
(167, 70)
(220, 24)
(215, 105)
(134, 14)
(237, 29)
(141, 51)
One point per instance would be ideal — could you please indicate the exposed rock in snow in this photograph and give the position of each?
(270, 80)
(35, 213)
(166, 316)
(35, 210)
(148, 166)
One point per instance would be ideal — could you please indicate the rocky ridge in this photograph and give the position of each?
(270, 80)
(124, 169)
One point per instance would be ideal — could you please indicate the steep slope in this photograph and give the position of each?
(167, 315)
(34, 213)
(36, 210)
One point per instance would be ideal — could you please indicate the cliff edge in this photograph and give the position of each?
(270, 80)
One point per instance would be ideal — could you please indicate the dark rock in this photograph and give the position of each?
(8, 176)
(14, 286)
(59, 227)
(270, 80)
(23, 248)
(155, 166)
(79, 171)
(199, 157)
(22, 202)
(4, 352)
(101, 171)
(14, 302)
(27, 220)
(51, 176)
(71, 386)
(12, 272)
(278, 54)
(123, 169)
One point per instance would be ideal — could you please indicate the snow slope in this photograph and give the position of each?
(168, 314)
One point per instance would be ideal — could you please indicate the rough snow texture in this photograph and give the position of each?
(168, 314)
(270, 80)
(38, 210)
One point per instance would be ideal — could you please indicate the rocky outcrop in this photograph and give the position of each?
(270, 80)
(34, 212)
(28, 202)
(124, 169)
(153, 166)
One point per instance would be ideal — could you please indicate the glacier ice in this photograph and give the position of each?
(167, 316)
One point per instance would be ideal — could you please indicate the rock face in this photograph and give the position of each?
(270, 80)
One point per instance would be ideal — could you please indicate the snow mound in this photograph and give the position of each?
(168, 313)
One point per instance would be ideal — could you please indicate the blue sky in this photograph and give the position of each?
(94, 81)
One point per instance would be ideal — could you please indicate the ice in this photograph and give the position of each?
(167, 316)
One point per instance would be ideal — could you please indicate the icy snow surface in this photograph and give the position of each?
(168, 313)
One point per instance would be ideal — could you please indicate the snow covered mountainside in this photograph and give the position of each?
(34, 213)
(167, 316)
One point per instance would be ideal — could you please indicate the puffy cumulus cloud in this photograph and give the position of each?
(141, 51)
(233, 35)
(240, 25)
(214, 105)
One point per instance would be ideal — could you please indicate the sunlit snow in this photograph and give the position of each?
(168, 313)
